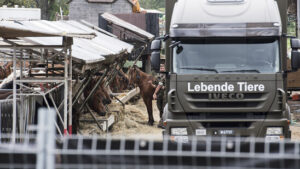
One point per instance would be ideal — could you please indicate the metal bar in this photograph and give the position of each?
(298, 19)
(14, 99)
(94, 117)
(32, 46)
(42, 119)
(57, 127)
(114, 73)
(6, 90)
(70, 91)
(28, 94)
(7, 100)
(54, 88)
(41, 75)
(40, 81)
(93, 90)
(144, 47)
(66, 92)
(47, 63)
(37, 92)
(50, 141)
(55, 107)
(57, 53)
(83, 85)
(123, 104)
(21, 108)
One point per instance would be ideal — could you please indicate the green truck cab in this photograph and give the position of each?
(226, 68)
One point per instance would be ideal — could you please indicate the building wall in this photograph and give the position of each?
(82, 10)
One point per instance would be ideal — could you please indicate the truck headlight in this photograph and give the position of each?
(178, 131)
(274, 131)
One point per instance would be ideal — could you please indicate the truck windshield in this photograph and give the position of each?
(227, 56)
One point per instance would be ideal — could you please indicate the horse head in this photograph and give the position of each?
(134, 75)
(5, 69)
(124, 80)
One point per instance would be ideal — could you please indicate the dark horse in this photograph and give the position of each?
(144, 82)
(100, 98)
(120, 82)
(5, 70)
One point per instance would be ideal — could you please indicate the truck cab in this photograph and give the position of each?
(226, 73)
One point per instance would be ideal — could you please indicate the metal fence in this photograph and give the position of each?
(44, 149)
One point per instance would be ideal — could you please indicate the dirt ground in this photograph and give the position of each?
(295, 133)
(132, 122)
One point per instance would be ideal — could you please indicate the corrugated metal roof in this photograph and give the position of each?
(83, 50)
(117, 21)
(97, 28)
(13, 29)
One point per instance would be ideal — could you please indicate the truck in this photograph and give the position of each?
(226, 69)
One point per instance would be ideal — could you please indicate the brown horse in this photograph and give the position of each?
(144, 82)
(120, 82)
(5, 70)
(100, 97)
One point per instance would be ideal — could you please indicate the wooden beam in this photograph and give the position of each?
(130, 95)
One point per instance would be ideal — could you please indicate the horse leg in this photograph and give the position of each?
(148, 103)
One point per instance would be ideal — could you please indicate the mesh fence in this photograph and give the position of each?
(45, 150)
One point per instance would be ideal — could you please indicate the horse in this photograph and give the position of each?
(120, 82)
(99, 99)
(144, 82)
(5, 70)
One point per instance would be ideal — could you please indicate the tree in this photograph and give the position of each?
(152, 4)
(48, 7)
(12, 3)
(292, 7)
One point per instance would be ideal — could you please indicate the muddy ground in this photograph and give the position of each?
(132, 121)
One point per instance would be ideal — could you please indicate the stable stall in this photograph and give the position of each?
(49, 58)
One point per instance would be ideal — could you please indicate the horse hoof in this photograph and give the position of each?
(150, 123)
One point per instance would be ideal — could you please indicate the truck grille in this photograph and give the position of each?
(227, 115)
(205, 95)
(226, 124)
(226, 104)
(201, 100)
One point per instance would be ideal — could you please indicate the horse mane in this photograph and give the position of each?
(143, 73)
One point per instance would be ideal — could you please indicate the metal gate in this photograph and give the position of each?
(43, 149)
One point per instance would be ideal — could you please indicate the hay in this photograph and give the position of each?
(131, 121)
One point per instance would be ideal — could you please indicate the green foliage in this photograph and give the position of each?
(55, 8)
(152, 4)
(291, 29)
(49, 7)
(25, 3)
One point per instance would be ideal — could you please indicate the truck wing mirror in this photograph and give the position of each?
(295, 43)
(155, 55)
(156, 44)
(155, 60)
(295, 60)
